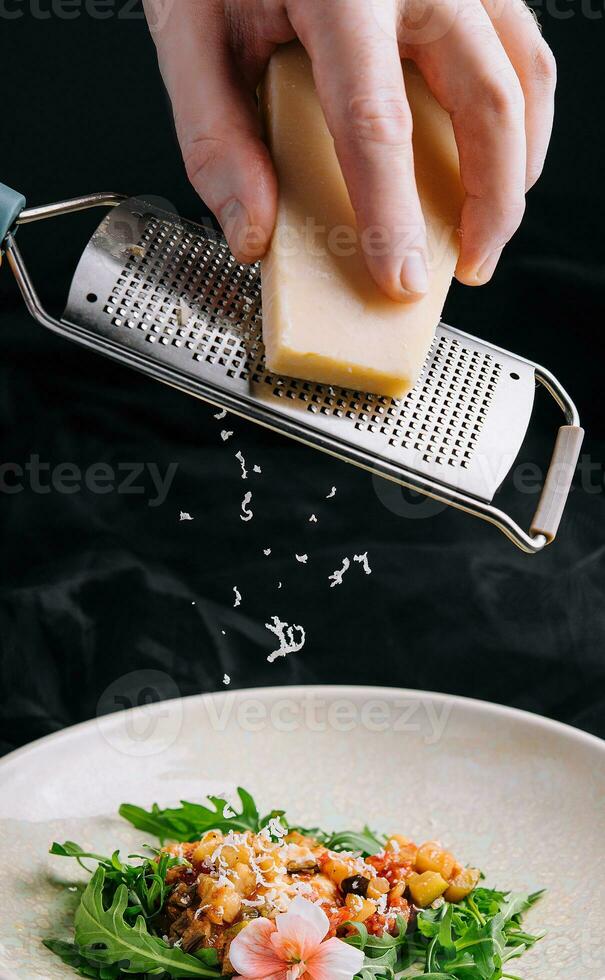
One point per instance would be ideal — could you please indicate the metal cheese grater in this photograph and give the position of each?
(165, 296)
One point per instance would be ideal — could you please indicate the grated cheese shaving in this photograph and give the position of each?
(184, 313)
(226, 434)
(247, 514)
(363, 560)
(239, 455)
(337, 576)
(286, 635)
(276, 828)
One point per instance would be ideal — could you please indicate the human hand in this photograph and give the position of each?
(484, 60)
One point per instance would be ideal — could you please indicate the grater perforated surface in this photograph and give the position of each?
(171, 289)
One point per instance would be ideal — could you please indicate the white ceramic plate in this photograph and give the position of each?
(520, 796)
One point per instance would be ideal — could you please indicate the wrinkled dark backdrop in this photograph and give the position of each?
(97, 590)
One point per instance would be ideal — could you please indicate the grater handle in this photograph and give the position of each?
(11, 205)
(558, 481)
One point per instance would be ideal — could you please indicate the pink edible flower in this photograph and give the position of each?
(293, 948)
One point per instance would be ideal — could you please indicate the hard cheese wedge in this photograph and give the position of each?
(324, 318)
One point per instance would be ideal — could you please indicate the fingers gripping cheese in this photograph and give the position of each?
(324, 318)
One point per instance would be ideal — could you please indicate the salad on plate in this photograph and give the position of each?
(230, 893)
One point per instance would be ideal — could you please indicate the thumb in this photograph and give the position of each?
(218, 127)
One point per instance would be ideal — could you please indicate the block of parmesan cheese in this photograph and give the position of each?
(324, 318)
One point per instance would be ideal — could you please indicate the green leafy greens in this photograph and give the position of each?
(474, 939)
(191, 820)
(117, 920)
(145, 883)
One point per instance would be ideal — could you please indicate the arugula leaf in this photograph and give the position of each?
(71, 956)
(104, 938)
(145, 883)
(365, 841)
(382, 953)
(191, 820)
(473, 939)
(69, 849)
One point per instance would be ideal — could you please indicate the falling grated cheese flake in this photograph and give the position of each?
(331, 494)
(337, 576)
(238, 599)
(185, 516)
(228, 811)
(266, 552)
(221, 415)
(226, 682)
(302, 559)
(286, 635)
(225, 435)
(240, 456)
(247, 514)
(363, 560)
(312, 519)
(279, 585)
(257, 468)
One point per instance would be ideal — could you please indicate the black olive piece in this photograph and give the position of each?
(355, 885)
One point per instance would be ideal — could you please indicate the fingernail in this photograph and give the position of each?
(234, 221)
(247, 241)
(414, 273)
(486, 271)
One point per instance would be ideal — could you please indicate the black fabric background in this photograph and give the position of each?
(97, 591)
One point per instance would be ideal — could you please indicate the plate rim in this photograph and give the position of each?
(335, 690)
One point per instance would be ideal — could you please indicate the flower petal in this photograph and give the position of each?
(334, 960)
(300, 930)
(252, 954)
